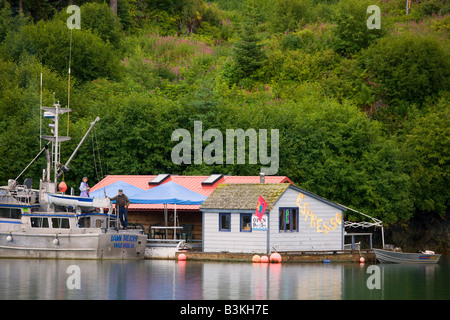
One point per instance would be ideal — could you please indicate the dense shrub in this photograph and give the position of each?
(409, 67)
(50, 42)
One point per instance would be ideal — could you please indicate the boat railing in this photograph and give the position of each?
(21, 194)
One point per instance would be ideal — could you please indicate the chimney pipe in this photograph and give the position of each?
(261, 177)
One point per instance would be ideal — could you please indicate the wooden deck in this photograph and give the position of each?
(149, 218)
(287, 257)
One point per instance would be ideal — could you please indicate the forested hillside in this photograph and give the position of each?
(363, 114)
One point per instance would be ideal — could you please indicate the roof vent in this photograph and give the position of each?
(212, 179)
(159, 178)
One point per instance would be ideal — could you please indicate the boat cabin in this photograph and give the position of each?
(20, 209)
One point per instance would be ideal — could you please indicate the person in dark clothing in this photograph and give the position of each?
(122, 202)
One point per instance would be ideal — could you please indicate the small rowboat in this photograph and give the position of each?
(76, 201)
(389, 256)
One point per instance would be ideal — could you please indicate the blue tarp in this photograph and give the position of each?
(169, 193)
(112, 190)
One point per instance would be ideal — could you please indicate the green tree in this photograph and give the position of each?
(248, 54)
(351, 33)
(49, 41)
(408, 67)
(427, 149)
(287, 14)
(100, 19)
(19, 114)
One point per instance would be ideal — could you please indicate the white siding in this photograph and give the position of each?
(234, 240)
(309, 237)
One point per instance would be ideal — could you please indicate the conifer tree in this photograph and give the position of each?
(248, 54)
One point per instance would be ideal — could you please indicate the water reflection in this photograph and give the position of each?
(169, 280)
(270, 282)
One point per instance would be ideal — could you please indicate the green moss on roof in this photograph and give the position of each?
(244, 196)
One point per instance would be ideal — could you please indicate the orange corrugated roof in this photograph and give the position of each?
(193, 183)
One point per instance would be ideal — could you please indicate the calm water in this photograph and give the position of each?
(168, 280)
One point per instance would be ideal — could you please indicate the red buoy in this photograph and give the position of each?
(256, 258)
(62, 186)
(181, 257)
(264, 259)
(275, 257)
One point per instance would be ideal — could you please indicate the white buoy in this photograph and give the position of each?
(55, 241)
(9, 238)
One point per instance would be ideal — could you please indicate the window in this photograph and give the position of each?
(85, 222)
(98, 223)
(10, 213)
(246, 222)
(288, 219)
(224, 221)
(39, 222)
(60, 223)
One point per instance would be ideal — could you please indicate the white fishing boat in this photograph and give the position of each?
(393, 256)
(45, 223)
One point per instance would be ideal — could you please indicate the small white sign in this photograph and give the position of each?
(259, 225)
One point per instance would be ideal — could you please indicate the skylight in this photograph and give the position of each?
(159, 178)
(212, 179)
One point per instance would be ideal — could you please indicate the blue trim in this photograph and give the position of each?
(13, 222)
(83, 199)
(240, 222)
(220, 222)
(18, 206)
(95, 214)
(48, 215)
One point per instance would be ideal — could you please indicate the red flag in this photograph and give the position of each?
(260, 208)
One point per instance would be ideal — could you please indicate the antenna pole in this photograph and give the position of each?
(56, 142)
(68, 85)
(40, 117)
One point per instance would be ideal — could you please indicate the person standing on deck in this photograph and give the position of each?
(122, 202)
(84, 188)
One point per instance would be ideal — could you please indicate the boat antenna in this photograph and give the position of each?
(40, 115)
(68, 84)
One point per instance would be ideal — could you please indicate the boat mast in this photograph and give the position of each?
(52, 113)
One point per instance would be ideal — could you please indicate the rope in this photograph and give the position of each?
(94, 144)
(98, 151)
(95, 161)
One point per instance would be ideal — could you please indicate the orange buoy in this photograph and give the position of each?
(362, 259)
(181, 257)
(264, 259)
(256, 258)
(275, 257)
(62, 186)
